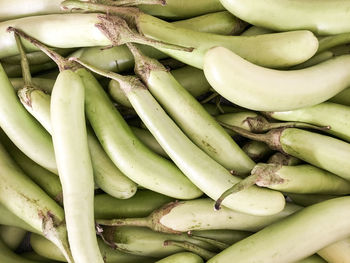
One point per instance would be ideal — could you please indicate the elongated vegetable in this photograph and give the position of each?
(312, 259)
(141, 204)
(177, 9)
(45, 84)
(316, 59)
(320, 150)
(225, 236)
(192, 79)
(72, 155)
(8, 256)
(277, 90)
(342, 97)
(106, 175)
(300, 233)
(47, 180)
(72, 30)
(147, 138)
(8, 218)
(36, 143)
(271, 50)
(177, 217)
(337, 252)
(189, 115)
(159, 171)
(204, 172)
(256, 150)
(29, 202)
(309, 199)
(255, 31)
(203, 253)
(144, 242)
(181, 257)
(45, 248)
(36, 57)
(34, 256)
(302, 179)
(12, 236)
(335, 115)
(15, 71)
(281, 15)
(222, 23)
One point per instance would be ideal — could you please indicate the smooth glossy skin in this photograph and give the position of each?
(21, 196)
(295, 237)
(190, 116)
(337, 252)
(179, 9)
(200, 215)
(320, 150)
(280, 15)
(209, 176)
(70, 30)
(222, 23)
(325, 114)
(182, 257)
(15, 71)
(11, 9)
(276, 90)
(45, 248)
(304, 179)
(144, 242)
(147, 138)
(119, 58)
(141, 204)
(72, 155)
(270, 50)
(107, 176)
(192, 79)
(256, 150)
(7, 218)
(47, 180)
(147, 168)
(35, 142)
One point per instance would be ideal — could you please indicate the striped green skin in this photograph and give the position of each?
(148, 169)
(325, 114)
(280, 15)
(295, 237)
(182, 257)
(72, 154)
(209, 176)
(278, 90)
(36, 143)
(320, 150)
